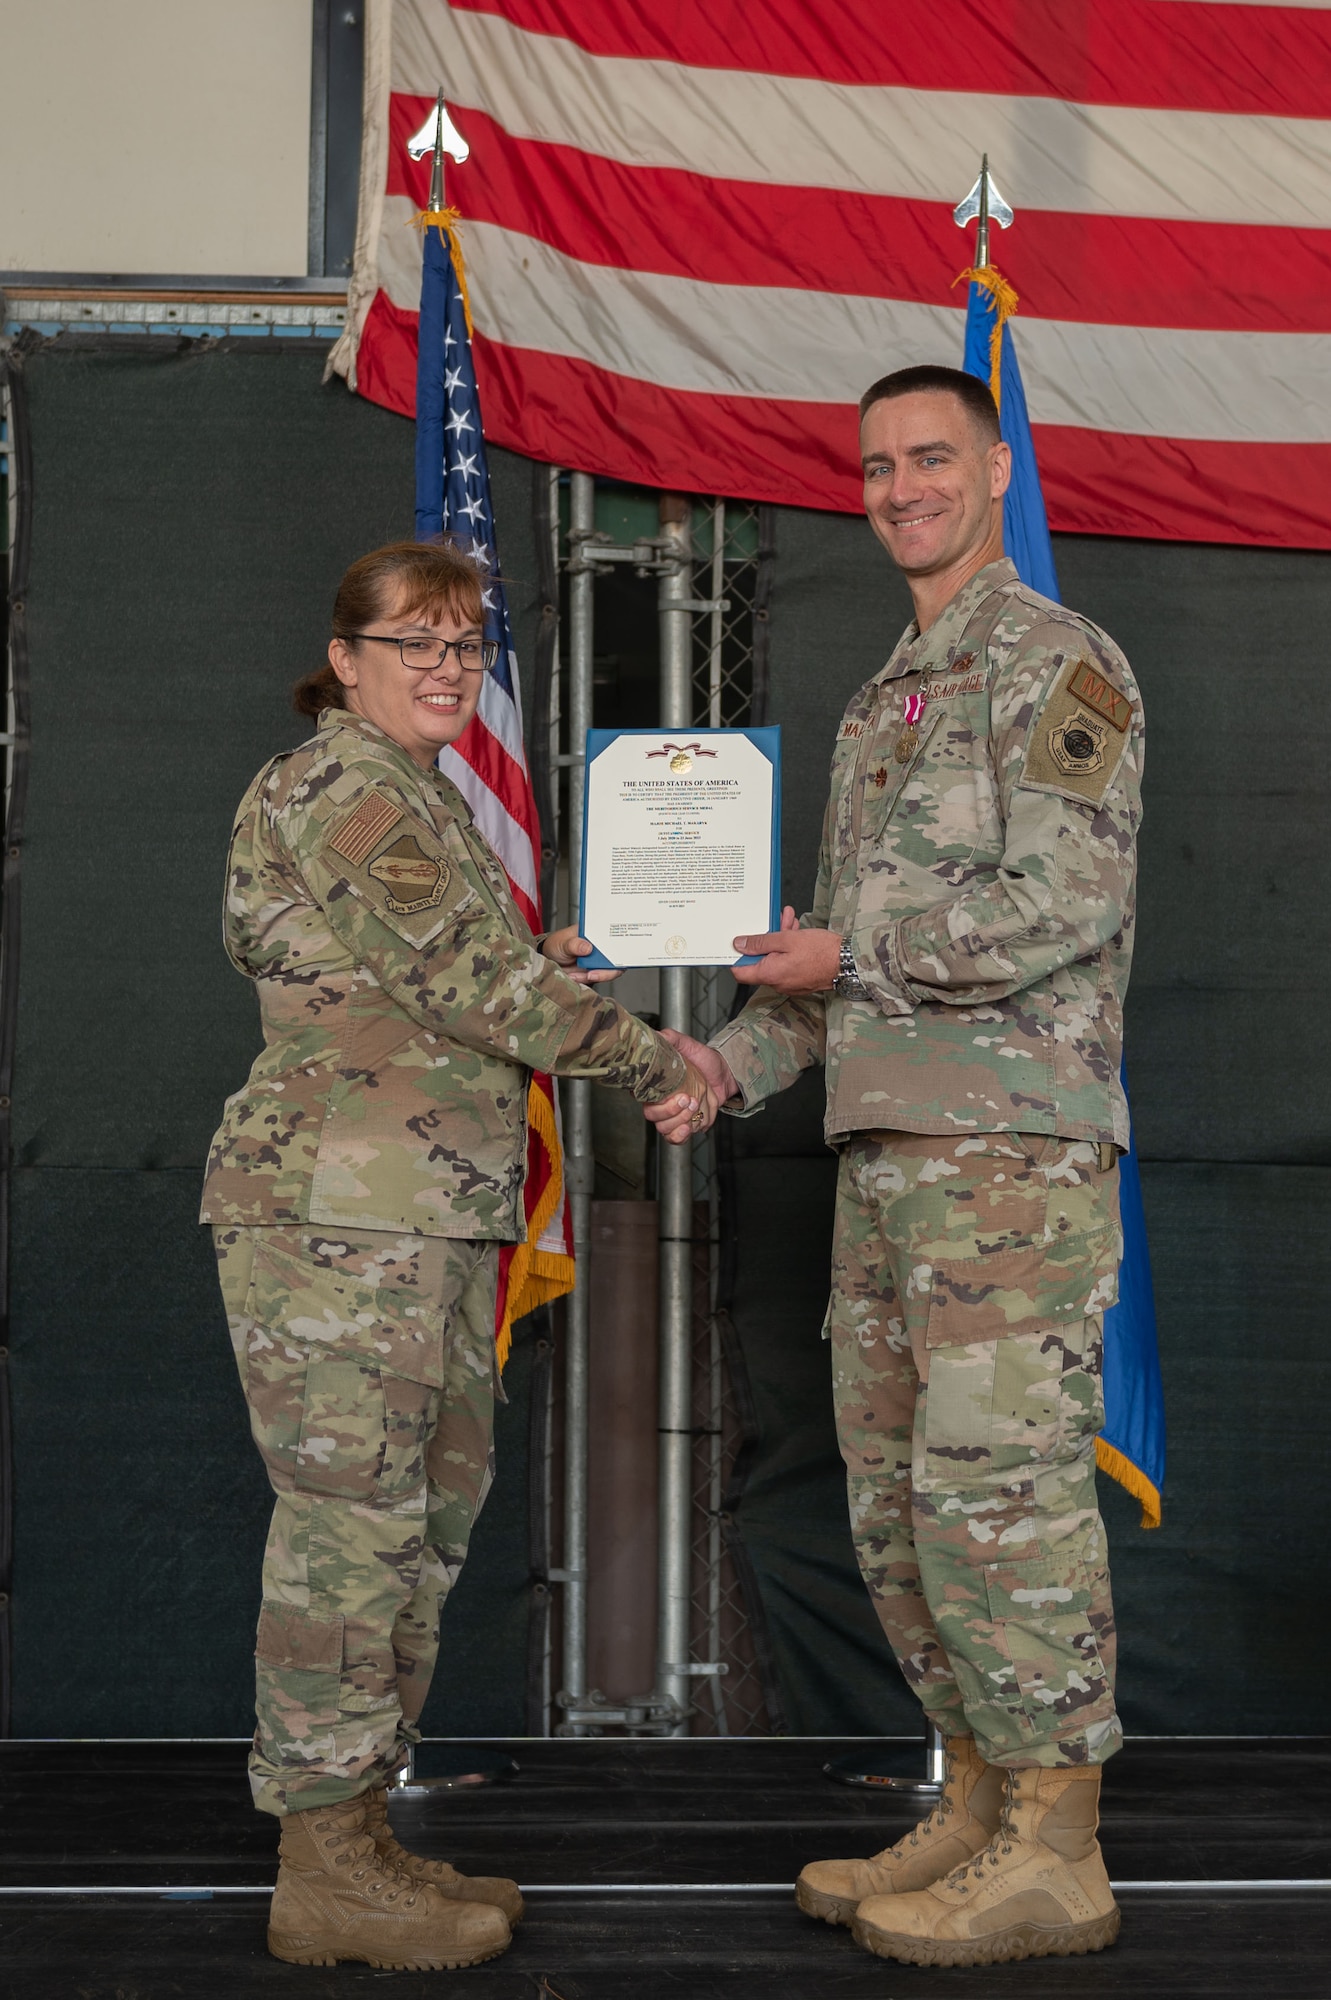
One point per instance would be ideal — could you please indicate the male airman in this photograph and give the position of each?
(961, 974)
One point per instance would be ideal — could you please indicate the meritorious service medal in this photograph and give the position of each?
(915, 706)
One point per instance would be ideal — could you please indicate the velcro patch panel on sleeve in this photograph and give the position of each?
(1078, 739)
(363, 829)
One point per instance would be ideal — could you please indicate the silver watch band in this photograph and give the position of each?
(848, 985)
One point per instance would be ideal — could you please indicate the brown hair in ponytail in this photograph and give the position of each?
(429, 579)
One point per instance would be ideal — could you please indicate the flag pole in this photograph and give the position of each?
(982, 233)
(452, 485)
(437, 163)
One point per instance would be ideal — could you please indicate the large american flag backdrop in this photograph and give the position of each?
(693, 239)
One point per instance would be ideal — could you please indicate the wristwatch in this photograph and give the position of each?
(848, 985)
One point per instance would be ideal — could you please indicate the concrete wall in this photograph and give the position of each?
(156, 136)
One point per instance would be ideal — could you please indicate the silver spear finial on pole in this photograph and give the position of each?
(437, 169)
(438, 135)
(986, 204)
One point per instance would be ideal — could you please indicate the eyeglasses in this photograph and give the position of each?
(423, 656)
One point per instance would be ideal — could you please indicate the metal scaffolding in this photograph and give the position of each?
(711, 610)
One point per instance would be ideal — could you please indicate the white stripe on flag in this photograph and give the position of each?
(510, 841)
(734, 340)
(502, 716)
(796, 131)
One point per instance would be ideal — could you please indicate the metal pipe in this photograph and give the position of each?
(718, 615)
(675, 1184)
(578, 1162)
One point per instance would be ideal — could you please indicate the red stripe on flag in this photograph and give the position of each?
(487, 757)
(568, 413)
(1185, 489)
(1103, 269)
(1189, 56)
(503, 775)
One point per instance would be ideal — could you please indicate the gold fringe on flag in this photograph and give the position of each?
(446, 221)
(537, 1276)
(1111, 1460)
(991, 280)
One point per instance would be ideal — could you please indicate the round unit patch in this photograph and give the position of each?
(1077, 744)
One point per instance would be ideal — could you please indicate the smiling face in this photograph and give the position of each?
(933, 485)
(421, 711)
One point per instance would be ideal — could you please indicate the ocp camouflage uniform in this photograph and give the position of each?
(359, 1188)
(982, 865)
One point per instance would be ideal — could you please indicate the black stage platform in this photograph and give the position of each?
(655, 1871)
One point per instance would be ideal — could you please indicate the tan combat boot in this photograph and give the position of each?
(335, 1900)
(496, 1890)
(962, 1824)
(1039, 1890)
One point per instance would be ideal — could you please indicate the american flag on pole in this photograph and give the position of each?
(1131, 1447)
(488, 765)
(695, 233)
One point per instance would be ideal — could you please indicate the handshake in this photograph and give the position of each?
(684, 1114)
(791, 960)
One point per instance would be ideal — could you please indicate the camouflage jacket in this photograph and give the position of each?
(403, 1004)
(982, 863)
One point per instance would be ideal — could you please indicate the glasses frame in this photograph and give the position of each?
(490, 650)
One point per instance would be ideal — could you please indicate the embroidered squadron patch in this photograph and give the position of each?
(414, 879)
(362, 830)
(1101, 695)
(1077, 743)
(1078, 746)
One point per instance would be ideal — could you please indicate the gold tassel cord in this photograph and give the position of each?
(1111, 1460)
(990, 279)
(537, 1276)
(446, 221)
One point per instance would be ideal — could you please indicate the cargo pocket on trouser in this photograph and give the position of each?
(1014, 1355)
(363, 1432)
(1050, 1681)
(298, 1680)
(336, 1425)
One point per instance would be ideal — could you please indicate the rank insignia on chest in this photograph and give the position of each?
(414, 879)
(880, 776)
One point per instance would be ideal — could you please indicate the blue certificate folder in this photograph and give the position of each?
(768, 741)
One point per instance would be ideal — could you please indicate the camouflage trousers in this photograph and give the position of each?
(368, 1366)
(969, 1281)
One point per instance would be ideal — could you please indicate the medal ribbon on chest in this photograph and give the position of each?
(912, 711)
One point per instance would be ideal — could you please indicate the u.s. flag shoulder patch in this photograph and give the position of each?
(364, 827)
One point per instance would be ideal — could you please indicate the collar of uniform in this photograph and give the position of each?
(344, 718)
(915, 651)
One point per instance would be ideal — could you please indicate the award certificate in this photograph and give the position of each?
(680, 843)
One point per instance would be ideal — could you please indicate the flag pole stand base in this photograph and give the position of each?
(451, 1767)
(890, 1769)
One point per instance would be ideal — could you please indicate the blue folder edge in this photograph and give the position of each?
(767, 740)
